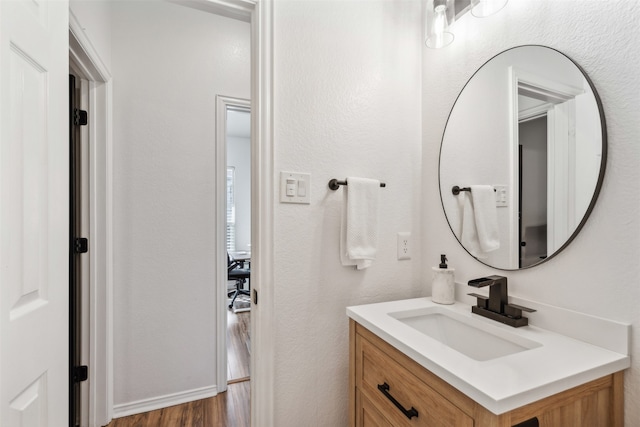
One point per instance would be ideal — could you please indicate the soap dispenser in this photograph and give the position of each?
(443, 285)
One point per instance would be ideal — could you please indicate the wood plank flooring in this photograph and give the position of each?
(228, 409)
(238, 345)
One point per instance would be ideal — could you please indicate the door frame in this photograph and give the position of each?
(222, 104)
(86, 60)
(554, 93)
(79, 271)
(263, 325)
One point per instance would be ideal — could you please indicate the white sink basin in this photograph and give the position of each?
(458, 333)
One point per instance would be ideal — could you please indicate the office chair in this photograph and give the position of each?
(240, 275)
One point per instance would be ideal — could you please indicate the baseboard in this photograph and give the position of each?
(146, 405)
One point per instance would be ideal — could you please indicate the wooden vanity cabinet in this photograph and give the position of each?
(387, 388)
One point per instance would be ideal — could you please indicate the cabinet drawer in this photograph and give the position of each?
(368, 415)
(377, 369)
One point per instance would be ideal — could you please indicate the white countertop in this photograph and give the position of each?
(504, 383)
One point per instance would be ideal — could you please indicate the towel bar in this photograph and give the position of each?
(334, 184)
(456, 190)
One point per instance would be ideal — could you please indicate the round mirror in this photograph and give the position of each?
(522, 157)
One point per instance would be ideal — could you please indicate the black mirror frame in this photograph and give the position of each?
(603, 162)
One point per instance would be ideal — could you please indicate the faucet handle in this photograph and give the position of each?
(481, 300)
(515, 310)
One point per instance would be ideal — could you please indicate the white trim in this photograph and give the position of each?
(534, 112)
(81, 46)
(234, 9)
(263, 325)
(151, 404)
(86, 59)
(222, 103)
(537, 87)
(109, 248)
(513, 244)
(551, 178)
(561, 163)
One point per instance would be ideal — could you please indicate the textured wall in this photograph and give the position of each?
(169, 63)
(347, 103)
(95, 18)
(599, 272)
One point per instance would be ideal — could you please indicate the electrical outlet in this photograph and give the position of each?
(404, 245)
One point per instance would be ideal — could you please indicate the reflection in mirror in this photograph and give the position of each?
(529, 124)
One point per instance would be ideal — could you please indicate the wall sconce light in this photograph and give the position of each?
(441, 14)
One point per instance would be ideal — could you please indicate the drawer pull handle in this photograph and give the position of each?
(384, 388)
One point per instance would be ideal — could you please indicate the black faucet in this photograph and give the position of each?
(497, 306)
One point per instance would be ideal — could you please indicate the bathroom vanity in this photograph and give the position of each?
(415, 363)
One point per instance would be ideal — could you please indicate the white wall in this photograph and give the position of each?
(599, 272)
(95, 17)
(169, 63)
(347, 103)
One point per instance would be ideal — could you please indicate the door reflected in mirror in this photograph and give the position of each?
(529, 123)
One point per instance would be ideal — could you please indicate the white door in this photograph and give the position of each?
(34, 213)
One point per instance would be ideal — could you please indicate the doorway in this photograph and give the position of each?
(95, 333)
(238, 241)
(233, 148)
(533, 190)
(78, 248)
(100, 88)
(543, 144)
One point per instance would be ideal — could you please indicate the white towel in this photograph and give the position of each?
(359, 226)
(480, 221)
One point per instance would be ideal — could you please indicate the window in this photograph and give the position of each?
(231, 209)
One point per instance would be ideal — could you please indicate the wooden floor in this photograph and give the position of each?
(228, 409)
(238, 345)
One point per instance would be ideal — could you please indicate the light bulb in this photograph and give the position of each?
(484, 8)
(439, 36)
(440, 20)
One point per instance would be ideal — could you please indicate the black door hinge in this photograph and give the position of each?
(81, 245)
(80, 373)
(79, 117)
(255, 296)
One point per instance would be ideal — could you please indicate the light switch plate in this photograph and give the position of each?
(502, 195)
(299, 190)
